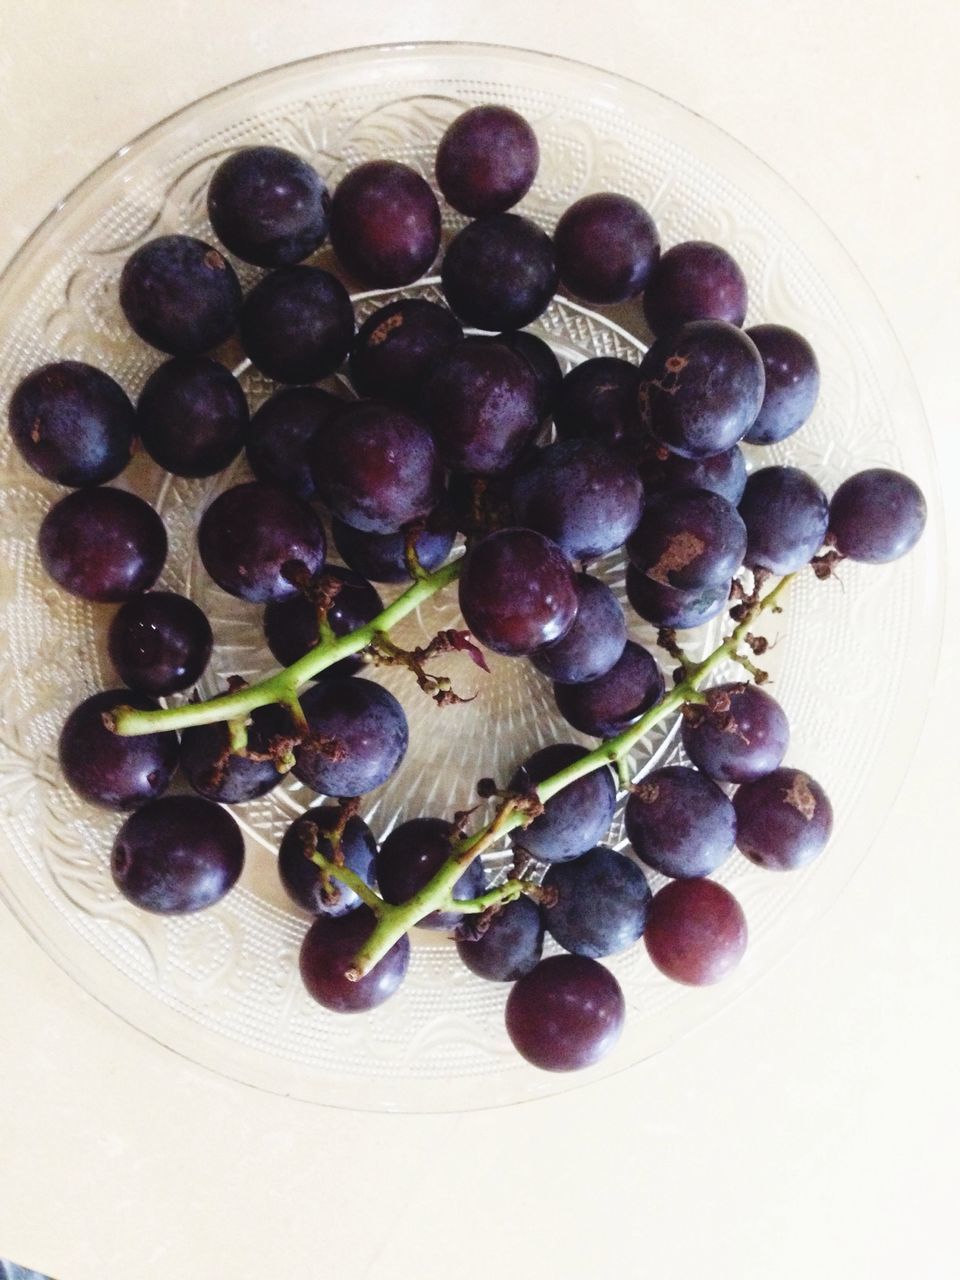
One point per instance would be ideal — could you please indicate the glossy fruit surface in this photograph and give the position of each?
(278, 438)
(192, 416)
(160, 643)
(696, 932)
(499, 272)
(576, 818)
(297, 324)
(268, 206)
(327, 954)
(742, 735)
(303, 879)
(110, 771)
(359, 737)
(180, 294)
(695, 280)
(565, 1014)
(384, 223)
(593, 643)
(607, 246)
(606, 706)
(105, 545)
(487, 160)
(792, 382)
(398, 347)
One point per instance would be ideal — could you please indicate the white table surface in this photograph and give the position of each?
(809, 1130)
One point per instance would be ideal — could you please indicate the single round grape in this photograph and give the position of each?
(695, 280)
(280, 433)
(689, 538)
(594, 642)
(667, 606)
(292, 627)
(499, 272)
(110, 771)
(740, 735)
(786, 514)
(384, 224)
(192, 416)
(792, 382)
(268, 206)
(573, 820)
(565, 1014)
(177, 854)
(160, 643)
(607, 246)
(72, 423)
(358, 737)
(251, 532)
(680, 823)
(412, 854)
(381, 557)
(398, 347)
(487, 160)
(696, 932)
(297, 324)
(724, 473)
(606, 706)
(510, 945)
(105, 545)
(327, 955)
(217, 773)
(701, 388)
(602, 903)
(517, 591)
(180, 295)
(541, 359)
(303, 879)
(599, 399)
(876, 516)
(783, 820)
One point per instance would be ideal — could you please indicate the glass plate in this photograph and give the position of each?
(222, 987)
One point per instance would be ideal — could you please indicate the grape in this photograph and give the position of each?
(783, 820)
(510, 945)
(251, 532)
(399, 346)
(327, 954)
(72, 423)
(667, 606)
(292, 627)
(412, 854)
(696, 932)
(180, 295)
(216, 772)
(577, 817)
(499, 272)
(608, 705)
(268, 206)
(701, 388)
(740, 735)
(565, 1014)
(280, 433)
(689, 538)
(594, 642)
(607, 246)
(358, 737)
(876, 516)
(192, 416)
(382, 556)
(487, 160)
(680, 823)
(303, 879)
(177, 854)
(786, 515)
(579, 494)
(545, 365)
(792, 382)
(296, 324)
(378, 469)
(695, 280)
(384, 224)
(110, 771)
(724, 473)
(105, 545)
(602, 903)
(598, 399)
(160, 643)
(517, 591)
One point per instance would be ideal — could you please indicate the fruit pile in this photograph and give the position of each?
(450, 434)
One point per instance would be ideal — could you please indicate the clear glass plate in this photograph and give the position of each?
(222, 987)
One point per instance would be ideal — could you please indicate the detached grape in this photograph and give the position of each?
(160, 643)
(279, 436)
(105, 545)
(783, 820)
(696, 932)
(487, 160)
(607, 246)
(786, 513)
(565, 1014)
(192, 416)
(399, 346)
(499, 272)
(599, 399)
(695, 280)
(180, 295)
(876, 516)
(297, 324)
(384, 224)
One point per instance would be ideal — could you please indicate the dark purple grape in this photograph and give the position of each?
(565, 1014)
(216, 772)
(601, 906)
(180, 295)
(517, 591)
(669, 606)
(741, 734)
(160, 643)
(696, 932)
(599, 399)
(382, 556)
(251, 532)
(695, 280)
(105, 545)
(327, 954)
(412, 854)
(689, 538)
(398, 347)
(783, 820)
(499, 272)
(607, 246)
(792, 382)
(680, 823)
(268, 206)
(487, 160)
(608, 705)
(280, 433)
(292, 626)
(573, 820)
(786, 514)
(594, 642)
(359, 737)
(384, 224)
(724, 473)
(510, 945)
(192, 416)
(72, 423)
(545, 365)
(876, 516)
(115, 772)
(303, 879)
(176, 855)
(701, 387)
(297, 324)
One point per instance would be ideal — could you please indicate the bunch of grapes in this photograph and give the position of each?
(461, 423)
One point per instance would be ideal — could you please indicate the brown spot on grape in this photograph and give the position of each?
(214, 260)
(799, 796)
(647, 792)
(676, 364)
(35, 431)
(681, 550)
(384, 329)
